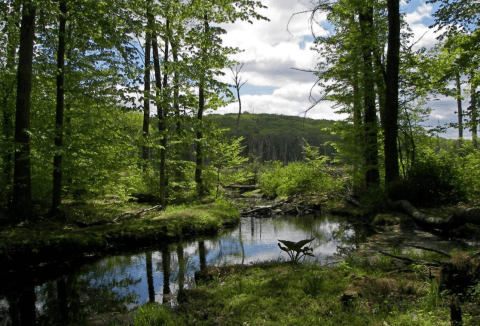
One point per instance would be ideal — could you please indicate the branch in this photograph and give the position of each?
(429, 249)
(412, 261)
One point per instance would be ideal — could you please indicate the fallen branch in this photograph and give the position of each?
(429, 249)
(352, 201)
(412, 261)
(122, 217)
(128, 215)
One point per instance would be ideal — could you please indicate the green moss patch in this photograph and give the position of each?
(47, 240)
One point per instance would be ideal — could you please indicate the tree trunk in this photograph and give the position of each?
(162, 125)
(391, 96)
(239, 110)
(372, 177)
(7, 101)
(357, 126)
(22, 189)
(176, 84)
(473, 111)
(201, 108)
(459, 108)
(160, 114)
(146, 150)
(57, 160)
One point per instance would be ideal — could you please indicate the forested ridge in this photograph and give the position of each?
(269, 137)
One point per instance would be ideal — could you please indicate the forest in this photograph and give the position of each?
(87, 82)
(109, 139)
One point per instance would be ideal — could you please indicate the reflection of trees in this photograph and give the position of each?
(108, 287)
(22, 309)
(76, 297)
(62, 300)
(202, 252)
(181, 267)
(151, 288)
(166, 274)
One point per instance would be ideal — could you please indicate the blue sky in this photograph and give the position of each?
(271, 52)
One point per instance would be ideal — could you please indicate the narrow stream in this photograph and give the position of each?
(122, 282)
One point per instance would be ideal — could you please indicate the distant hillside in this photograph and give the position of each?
(276, 137)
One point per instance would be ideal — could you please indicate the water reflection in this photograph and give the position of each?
(120, 283)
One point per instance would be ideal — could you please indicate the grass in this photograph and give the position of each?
(44, 239)
(357, 291)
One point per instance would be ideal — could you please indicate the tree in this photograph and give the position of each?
(391, 111)
(238, 83)
(57, 160)
(456, 16)
(10, 45)
(211, 58)
(22, 187)
(225, 154)
(146, 151)
(372, 176)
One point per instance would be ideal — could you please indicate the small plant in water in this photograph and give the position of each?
(296, 250)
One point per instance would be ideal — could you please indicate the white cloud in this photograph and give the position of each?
(271, 51)
(275, 56)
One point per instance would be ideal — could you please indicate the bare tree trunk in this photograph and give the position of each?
(22, 186)
(239, 111)
(57, 160)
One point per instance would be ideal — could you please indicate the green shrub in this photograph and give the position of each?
(470, 171)
(295, 178)
(434, 179)
(151, 314)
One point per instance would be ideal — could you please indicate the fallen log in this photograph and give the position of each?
(241, 188)
(262, 208)
(122, 217)
(457, 219)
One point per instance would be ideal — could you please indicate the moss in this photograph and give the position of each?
(55, 240)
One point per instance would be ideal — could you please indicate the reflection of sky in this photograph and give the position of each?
(258, 237)
(254, 240)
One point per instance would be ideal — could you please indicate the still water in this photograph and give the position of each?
(122, 282)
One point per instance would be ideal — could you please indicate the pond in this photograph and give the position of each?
(122, 282)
